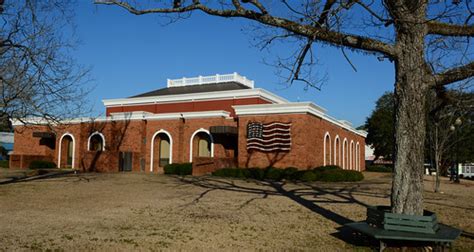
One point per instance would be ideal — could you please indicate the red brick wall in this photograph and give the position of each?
(181, 132)
(188, 106)
(100, 161)
(307, 150)
(136, 137)
(26, 144)
(24, 161)
(203, 165)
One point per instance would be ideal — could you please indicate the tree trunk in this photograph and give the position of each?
(437, 156)
(411, 89)
(437, 180)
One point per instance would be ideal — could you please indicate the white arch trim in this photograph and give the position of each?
(73, 149)
(337, 153)
(351, 155)
(327, 136)
(357, 157)
(344, 144)
(191, 143)
(90, 137)
(153, 145)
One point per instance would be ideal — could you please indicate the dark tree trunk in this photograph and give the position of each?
(411, 89)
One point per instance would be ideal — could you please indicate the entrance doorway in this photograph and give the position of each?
(66, 152)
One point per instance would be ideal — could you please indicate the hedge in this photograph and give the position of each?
(179, 169)
(41, 164)
(379, 168)
(4, 164)
(323, 173)
(341, 176)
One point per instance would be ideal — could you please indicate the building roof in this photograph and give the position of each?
(226, 86)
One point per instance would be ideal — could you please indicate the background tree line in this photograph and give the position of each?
(445, 143)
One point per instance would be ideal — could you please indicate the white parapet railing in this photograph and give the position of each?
(212, 79)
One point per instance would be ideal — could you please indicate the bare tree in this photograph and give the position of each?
(443, 134)
(407, 32)
(38, 78)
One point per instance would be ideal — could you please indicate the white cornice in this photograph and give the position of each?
(294, 108)
(136, 115)
(230, 94)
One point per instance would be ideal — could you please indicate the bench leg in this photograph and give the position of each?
(441, 247)
(382, 246)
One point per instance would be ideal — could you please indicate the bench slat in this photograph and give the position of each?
(444, 234)
(409, 229)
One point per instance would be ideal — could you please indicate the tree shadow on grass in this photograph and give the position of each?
(308, 195)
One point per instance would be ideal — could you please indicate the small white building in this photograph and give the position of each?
(6, 141)
(466, 170)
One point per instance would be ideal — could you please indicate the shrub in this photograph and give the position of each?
(42, 164)
(274, 174)
(4, 164)
(308, 176)
(179, 169)
(340, 176)
(254, 173)
(379, 168)
(231, 172)
(289, 173)
(327, 168)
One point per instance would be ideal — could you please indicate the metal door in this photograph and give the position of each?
(125, 161)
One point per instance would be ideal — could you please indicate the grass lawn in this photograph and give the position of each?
(154, 212)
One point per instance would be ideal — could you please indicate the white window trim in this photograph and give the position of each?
(327, 136)
(344, 144)
(351, 155)
(336, 152)
(153, 144)
(90, 137)
(73, 149)
(191, 143)
(357, 156)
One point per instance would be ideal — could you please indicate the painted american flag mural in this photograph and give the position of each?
(269, 137)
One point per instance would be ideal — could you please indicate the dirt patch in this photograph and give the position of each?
(155, 212)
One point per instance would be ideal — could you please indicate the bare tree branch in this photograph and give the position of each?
(317, 33)
(455, 74)
(445, 29)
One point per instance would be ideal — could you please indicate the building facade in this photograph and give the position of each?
(212, 121)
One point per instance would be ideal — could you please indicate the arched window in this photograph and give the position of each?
(161, 149)
(327, 149)
(357, 156)
(345, 154)
(201, 144)
(351, 158)
(337, 151)
(67, 151)
(96, 142)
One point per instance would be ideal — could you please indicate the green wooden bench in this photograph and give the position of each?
(441, 239)
(388, 227)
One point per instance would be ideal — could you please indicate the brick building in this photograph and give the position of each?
(203, 120)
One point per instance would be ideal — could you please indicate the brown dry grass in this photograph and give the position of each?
(156, 212)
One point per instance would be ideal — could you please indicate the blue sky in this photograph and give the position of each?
(133, 54)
